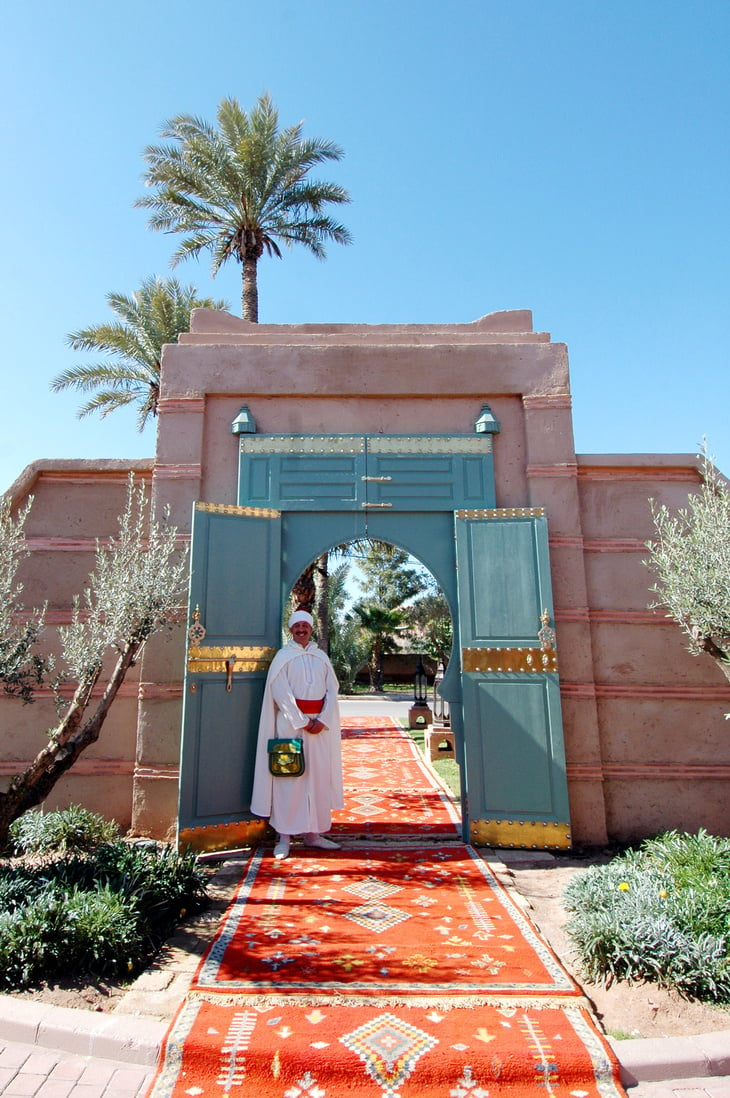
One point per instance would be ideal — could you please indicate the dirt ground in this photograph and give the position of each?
(623, 1010)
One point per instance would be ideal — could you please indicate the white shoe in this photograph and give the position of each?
(321, 842)
(281, 850)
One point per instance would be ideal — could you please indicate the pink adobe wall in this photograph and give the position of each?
(614, 658)
(74, 503)
(643, 719)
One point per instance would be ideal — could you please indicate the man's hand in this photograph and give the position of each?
(314, 726)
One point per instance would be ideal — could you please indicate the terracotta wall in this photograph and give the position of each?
(664, 745)
(644, 729)
(74, 503)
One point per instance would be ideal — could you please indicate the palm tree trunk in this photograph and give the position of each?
(304, 591)
(250, 294)
(323, 617)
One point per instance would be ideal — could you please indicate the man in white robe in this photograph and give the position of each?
(300, 699)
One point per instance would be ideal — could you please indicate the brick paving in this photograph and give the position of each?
(27, 1070)
(39, 1071)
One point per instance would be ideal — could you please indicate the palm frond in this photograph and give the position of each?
(130, 371)
(238, 188)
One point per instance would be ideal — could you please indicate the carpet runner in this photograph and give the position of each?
(389, 788)
(382, 970)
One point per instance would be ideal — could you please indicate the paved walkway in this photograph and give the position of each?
(54, 1052)
(50, 1073)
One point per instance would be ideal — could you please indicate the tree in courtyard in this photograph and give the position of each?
(382, 627)
(348, 645)
(429, 625)
(129, 372)
(389, 582)
(22, 668)
(240, 188)
(690, 557)
(390, 578)
(136, 589)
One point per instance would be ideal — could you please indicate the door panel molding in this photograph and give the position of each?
(513, 735)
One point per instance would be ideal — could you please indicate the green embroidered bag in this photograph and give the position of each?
(286, 757)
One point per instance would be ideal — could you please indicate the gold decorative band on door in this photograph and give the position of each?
(500, 512)
(208, 659)
(227, 836)
(233, 509)
(521, 834)
(509, 659)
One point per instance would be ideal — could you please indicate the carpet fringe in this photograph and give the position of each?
(428, 1002)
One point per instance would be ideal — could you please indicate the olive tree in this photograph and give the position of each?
(690, 558)
(134, 591)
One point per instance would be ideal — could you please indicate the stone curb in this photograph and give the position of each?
(136, 1040)
(658, 1059)
(82, 1032)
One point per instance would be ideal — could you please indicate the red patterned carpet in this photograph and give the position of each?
(389, 788)
(382, 971)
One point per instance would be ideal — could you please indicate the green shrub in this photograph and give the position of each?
(660, 913)
(164, 885)
(61, 831)
(98, 908)
(60, 934)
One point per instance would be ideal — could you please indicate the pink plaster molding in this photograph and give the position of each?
(573, 615)
(76, 471)
(195, 403)
(566, 541)
(62, 545)
(580, 691)
(557, 403)
(559, 469)
(647, 467)
(627, 617)
(84, 767)
(579, 772)
(212, 322)
(157, 773)
(192, 471)
(667, 771)
(159, 690)
(614, 545)
(126, 690)
(663, 691)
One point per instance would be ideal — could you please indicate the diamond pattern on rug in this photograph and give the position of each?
(377, 917)
(390, 1052)
(372, 889)
(389, 787)
(446, 930)
(385, 972)
(390, 1048)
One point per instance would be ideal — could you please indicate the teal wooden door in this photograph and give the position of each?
(513, 736)
(235, 629)
(366, 473)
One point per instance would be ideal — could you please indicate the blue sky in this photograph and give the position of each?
(565, 156)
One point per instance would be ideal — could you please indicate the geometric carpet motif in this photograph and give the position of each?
(389, 971)
(389, 788)
(397, 924)
(392, 1052)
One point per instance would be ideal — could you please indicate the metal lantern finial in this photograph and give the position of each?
(420, 684)
(486, 424)
(244, 423)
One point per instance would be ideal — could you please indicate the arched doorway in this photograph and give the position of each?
(299, 497)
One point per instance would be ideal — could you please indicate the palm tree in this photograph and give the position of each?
(130, 371)
(237, 189)
(382, 624)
